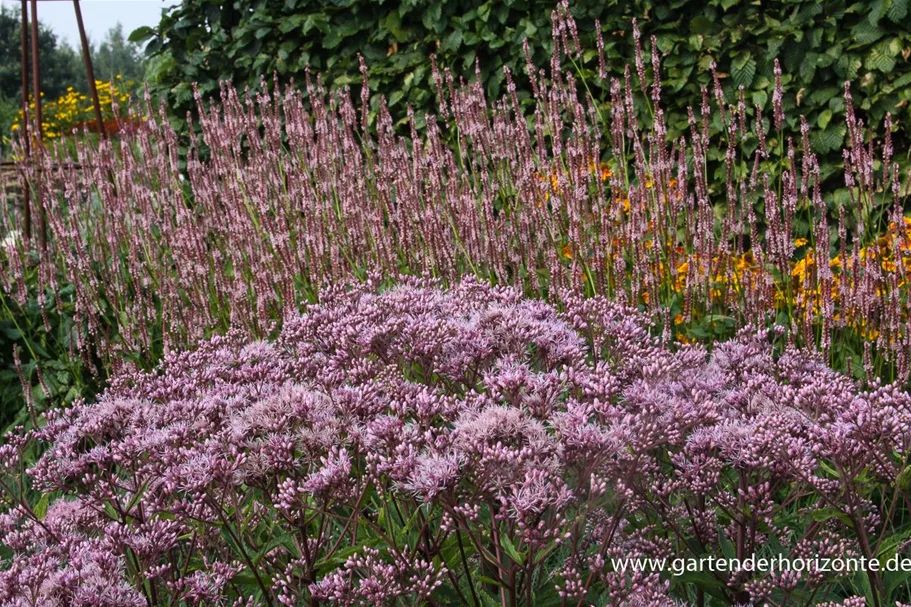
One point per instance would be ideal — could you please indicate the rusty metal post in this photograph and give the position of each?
(36, 85)
(26, 194)
(89, 70)
(36, 69)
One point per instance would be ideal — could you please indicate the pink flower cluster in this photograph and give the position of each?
(420, 445)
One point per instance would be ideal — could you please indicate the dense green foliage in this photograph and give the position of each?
(61, 66)
(820, 45)
(36, 348)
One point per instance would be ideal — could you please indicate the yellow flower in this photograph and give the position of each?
(802, 267)
(743, 262)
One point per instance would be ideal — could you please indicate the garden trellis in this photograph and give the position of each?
(34, 59)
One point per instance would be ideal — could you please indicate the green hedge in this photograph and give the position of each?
(820, 45)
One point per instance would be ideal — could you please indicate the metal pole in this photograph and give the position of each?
(26, 194)
(90, 72)
(36, 85)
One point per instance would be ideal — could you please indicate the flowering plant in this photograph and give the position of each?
(73, 111)
(284, 190)
(419, 445)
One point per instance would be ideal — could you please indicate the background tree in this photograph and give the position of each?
(61, 66)
(117, 56)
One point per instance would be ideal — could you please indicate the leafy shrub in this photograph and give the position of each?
(40, 362)
(425, 446)
(821, 45)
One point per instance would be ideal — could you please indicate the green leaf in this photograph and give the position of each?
(727, 547)
(880, 59)
(451, 42)
(141, 34)
(486, 597)
(877, 11)
(431, 16)
(808, 67)
(41, 507)
(11, 333)
(704, 580)
(828, 513)
(393, 23)
(904, 479)
(850, 66)
(743, 71)
(484, 12)
(291, 23)
(510, 549)
(824, 118)
(340, 556)
(862, 582)
(897, 10)
(279, 538)
(332, 40)
(866, 33)
(902, 81)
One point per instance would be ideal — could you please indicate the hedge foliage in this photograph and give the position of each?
(820, 45)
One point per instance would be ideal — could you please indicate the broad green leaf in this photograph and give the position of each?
(452, 41)
(866, 33)
(40, 508)
(510, 549)
(141, 34)
(877, 11)
(808, 67)
(828, 513)
(393, 23)
(743, 71)
(897, 11)
(880, 59)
